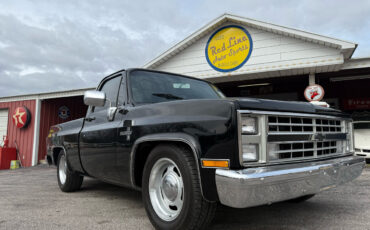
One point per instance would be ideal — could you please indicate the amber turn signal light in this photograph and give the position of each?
(215, 163)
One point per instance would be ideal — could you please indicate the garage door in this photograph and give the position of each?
(3, 123)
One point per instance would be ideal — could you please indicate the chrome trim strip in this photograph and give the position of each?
(293, 137)
(289, 133)
(265, 185)
(295, 161)
(307, 125)
(292, 114)
(239, 122)
(314, 137)
(308, 159)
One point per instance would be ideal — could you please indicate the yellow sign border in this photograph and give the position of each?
(246, 58)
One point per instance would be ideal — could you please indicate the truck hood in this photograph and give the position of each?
(284, 106)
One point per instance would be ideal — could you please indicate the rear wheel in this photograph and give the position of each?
(171, 190)
(68, 181)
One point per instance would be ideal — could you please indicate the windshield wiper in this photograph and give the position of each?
(167, 96)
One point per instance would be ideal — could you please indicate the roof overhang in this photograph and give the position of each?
(44, 96)
(357, 63)
(346, 48)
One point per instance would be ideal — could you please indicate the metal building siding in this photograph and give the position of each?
(50, 117)
(24, 137)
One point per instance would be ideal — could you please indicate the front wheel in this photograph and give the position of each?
(171, 190)
(68, 181)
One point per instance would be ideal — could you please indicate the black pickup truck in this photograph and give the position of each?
(187, 147)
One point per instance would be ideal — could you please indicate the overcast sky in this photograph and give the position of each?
(59, 45)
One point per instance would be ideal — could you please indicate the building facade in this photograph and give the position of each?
(249, 58)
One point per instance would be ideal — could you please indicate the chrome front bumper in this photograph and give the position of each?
(264, 185)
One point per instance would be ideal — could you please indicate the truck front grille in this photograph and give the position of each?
(281, 137)
(283, 124)
(303, 150)
(300, 133)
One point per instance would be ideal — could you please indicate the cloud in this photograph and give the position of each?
(61, 45)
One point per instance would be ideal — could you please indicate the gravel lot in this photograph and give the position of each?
(30, 199)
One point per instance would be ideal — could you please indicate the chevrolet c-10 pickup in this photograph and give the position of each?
(187, 147)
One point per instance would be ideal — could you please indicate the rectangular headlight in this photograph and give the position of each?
(250, 152)
(249, 125)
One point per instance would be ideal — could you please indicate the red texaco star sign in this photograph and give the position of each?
(21, 117)
(314, 93)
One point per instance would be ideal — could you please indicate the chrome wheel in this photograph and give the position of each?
(62, 169)
(166, 189)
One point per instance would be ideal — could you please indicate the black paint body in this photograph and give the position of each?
(106, 149)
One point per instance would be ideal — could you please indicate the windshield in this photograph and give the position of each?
(361, 125)
(151, 87)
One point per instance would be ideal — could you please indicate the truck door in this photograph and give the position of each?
(99, 136)
(125, 139)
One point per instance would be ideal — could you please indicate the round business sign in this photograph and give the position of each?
(21, 117)
(229, 48)
(314, 93)
(64, 112)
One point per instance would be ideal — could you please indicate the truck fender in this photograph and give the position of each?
(168, 137)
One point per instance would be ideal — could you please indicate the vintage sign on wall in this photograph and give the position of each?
(356, 103)
(229, 48)
(21, 117)
(64, 112)
(314, 93)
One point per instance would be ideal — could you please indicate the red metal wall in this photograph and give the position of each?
(24, 137)
(49, 117)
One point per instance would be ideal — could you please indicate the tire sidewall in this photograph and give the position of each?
(184, 216)
(73, 179)
(62, 186)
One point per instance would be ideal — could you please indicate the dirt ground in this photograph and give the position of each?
(30, 199)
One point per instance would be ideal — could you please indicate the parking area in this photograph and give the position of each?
(30, 199)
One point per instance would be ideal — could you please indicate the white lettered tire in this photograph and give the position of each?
(171, 190)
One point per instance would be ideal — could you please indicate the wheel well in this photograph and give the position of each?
(50, 161)
(142, 152)
(56, 152)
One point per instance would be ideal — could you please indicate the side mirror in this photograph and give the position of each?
(94, 98)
